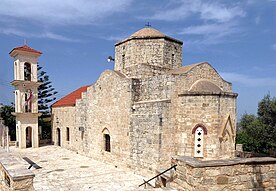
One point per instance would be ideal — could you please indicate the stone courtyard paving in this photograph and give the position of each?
(64, 170)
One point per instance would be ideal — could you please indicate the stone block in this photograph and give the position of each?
(212, 172)
(222, 180)
(207, 181)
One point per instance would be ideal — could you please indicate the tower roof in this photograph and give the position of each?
(148, 33)
(25, 48)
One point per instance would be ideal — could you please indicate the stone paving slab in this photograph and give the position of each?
(64, 170)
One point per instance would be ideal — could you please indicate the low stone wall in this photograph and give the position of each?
(216, 175)
(15, 175)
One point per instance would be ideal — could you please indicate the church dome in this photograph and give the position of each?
(205, 86)
(148, 32)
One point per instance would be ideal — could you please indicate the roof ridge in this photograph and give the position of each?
(26, 49)
(185, 69)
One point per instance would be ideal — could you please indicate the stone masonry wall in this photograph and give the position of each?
(236, 174)
(207, 108)
(143, 71)
(191, 110)
(149, 121)
(105, 109)
(154, 52)
(156, 88)
(63, 117)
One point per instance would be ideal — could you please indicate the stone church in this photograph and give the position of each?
(149, 108)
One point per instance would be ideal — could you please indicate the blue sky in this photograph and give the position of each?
(238, 38)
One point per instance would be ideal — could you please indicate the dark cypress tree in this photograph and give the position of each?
(46, 95)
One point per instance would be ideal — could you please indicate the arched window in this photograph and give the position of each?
(107, 142)
(123, 60)
(27, 71)
(67, 134)
(199, 130)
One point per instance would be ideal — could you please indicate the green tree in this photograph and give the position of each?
(267, 115)
(9, 119)
(257, 133)
(46, 95)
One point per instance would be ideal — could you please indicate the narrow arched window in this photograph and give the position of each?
(67, 134)
(173, 59)
(199, 130)
(107, 142)
(27, 71)
(123, 60)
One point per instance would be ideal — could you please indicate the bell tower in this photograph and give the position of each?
(26, 94)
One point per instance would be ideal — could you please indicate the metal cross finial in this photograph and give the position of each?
(148, 24)
(25, 41)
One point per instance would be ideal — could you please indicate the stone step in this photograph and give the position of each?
(155, 189)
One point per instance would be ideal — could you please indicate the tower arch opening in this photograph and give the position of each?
(27, 71)
(29, 137)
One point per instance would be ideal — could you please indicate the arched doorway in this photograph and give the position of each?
(58, 137)
(29, 137)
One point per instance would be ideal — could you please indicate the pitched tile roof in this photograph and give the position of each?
(26, 49)
(70, 99)
(148, 32)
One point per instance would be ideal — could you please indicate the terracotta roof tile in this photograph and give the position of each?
(70, 99)
(26, 48)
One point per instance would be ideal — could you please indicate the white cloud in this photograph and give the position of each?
(273, 46)
(115, 38)
(208, 29)
(213, 11)
(54, 36)
(49, 35)
(61, 12)
(257, 20)
(217, 21)
(211, 33)
(248, 80)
